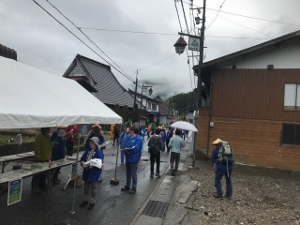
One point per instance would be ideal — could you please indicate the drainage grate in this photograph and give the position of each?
(155, 209)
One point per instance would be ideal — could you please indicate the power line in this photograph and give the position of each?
(140, 32)
(216, 15)
(125, 31)
(124, 73)
(178, 15)
(251, 17)
(245, 26)
(77, 37)
(255, 18)
(147, 67)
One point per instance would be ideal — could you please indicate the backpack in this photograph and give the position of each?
(153, 146)
(225, 155)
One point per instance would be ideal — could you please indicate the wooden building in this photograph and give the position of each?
(254, 97)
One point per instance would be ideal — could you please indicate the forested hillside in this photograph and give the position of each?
(182, 103)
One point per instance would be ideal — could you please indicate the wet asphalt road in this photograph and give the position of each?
(112, 206)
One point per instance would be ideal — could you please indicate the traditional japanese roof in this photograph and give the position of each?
(100, 77)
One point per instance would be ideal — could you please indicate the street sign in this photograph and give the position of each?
(194, 43)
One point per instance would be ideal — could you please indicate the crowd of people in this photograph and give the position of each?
(130, 140)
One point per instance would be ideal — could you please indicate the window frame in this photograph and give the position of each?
(293, 130)
(295, 107)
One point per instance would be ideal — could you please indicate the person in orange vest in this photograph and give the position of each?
(149, 129)
(112, 126)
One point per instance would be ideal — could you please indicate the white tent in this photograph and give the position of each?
(32, 98)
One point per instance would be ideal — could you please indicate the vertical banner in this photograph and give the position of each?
(73, 171)
(14, 191)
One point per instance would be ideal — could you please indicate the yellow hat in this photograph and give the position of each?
(216, 141)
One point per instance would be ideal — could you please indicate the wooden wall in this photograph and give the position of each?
(253, 94)
(254, 141)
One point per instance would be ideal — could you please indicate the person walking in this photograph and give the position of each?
(116, 134)
(71, 137)
(95, 132)
(133, 149)
(149, 129)
(176, 144)
(124, 138)
(163, 136)
(58, 151)
(155, 145)
(91, 172)
(220, 171)
(169, 136)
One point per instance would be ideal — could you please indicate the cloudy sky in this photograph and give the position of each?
(139, 35)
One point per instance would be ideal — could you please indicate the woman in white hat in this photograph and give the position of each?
(92, 168)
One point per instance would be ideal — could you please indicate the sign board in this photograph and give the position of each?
(14, 191)
(194, 43)
(73, 172)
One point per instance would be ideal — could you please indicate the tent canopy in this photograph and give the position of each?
(32, 98)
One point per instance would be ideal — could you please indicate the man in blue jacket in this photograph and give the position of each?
(221, 170)
(133, 151)
(123, 139)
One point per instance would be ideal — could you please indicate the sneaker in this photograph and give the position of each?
(151, 175)
(91, 206)
(84, 204)
(217, 195)
(125, 188)
(132, 191)
(158, 176)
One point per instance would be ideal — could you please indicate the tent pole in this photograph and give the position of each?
(115, 181)
(75, 179)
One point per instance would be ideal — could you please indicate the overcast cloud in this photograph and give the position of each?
(42, 43)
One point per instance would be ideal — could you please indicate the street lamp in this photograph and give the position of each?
(180, 45)
(196, 43)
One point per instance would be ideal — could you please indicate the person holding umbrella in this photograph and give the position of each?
(176, 144)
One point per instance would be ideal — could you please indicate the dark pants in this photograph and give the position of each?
(219, 175)
(131, 174)
(174, 157)
(154, 158)
(69, 146)
(116, 137)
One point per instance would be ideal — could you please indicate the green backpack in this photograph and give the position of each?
(225, 155)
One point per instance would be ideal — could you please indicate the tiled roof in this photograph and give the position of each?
(164, 109)
(110, 91)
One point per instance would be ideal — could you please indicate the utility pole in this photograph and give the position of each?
(199, 83)
(134, 102)
(196, 43)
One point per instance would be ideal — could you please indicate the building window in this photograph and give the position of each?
(154, 107)
(292, 97)
(291, 134)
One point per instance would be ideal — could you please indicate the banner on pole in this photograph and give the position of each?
(194, 43)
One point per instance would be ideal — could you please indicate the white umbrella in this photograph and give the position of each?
(184, 126)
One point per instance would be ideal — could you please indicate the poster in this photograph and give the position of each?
(14, 191)
(73, 172)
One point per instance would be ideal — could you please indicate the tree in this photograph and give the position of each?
(117, 109)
